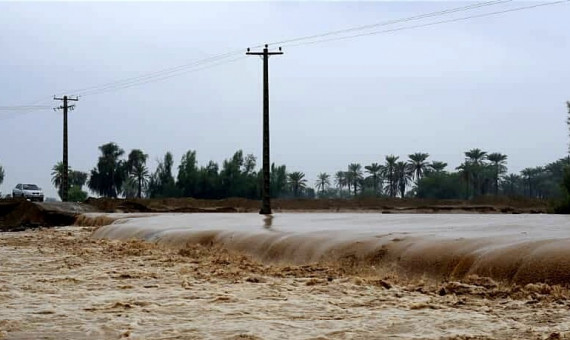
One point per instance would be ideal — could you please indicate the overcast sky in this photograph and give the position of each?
(497, 83)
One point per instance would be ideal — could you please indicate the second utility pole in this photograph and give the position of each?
(65, 179)
(266, 201)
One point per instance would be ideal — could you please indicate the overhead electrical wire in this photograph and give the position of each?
(164, 77)
(224, 58)
(24, 107)
(392, 22)
(157, 74)
(182, 69)
(427, 24)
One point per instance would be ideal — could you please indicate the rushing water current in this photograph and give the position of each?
(511, 248)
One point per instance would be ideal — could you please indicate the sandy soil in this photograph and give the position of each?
(60, 284)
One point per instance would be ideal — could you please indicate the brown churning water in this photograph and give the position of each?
(510, 248)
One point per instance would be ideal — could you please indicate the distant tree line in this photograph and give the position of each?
(480, 174)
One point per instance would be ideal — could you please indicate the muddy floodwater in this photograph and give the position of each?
(292, 276)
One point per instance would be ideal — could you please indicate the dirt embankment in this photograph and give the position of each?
(383, 205)
(19, 214)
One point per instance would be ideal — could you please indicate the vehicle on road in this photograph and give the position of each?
(28, 191)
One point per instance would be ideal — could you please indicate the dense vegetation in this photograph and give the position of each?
(480, 174)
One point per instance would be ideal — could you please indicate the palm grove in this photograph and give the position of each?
(481, 173)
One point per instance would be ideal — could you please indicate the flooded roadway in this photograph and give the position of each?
(307, 276)
(511, 248)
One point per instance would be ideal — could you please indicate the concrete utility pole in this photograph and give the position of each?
(65, 179)
(266, 201)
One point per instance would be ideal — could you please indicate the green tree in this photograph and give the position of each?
(498, 162)
(511, 185)
(375, 171)
(403, 177)
(354, 174)
(437, 167)
(1, 174)
(323, 181)
(187, 180)
(129, 188)
(466, 174)
(161, 183)
(440, 185)
(475, 156)
(278, 177)
(529, 176)
(340, 180)
(209, 182)
(297, 182)
(75, 194)
(137, 170)
(77, 180)
(418, 164)
(390, 175)
(473, 169)
(108, 176)
(568, 124)
(57, 173)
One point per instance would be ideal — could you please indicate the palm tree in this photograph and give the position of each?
(75, 178)
(390, 175)
(323, 181)
(475, 159)
(403, 177)
(340, 179)
(511, 183)
(529, 175)
(418, 164)
(355, 174)
(297, 182)
(375, 171)
(108, 176)
(568, 123)
(466, 173)
(137, 170)
(57, 173)
(475, 156)
(438, 167)
(498, 162)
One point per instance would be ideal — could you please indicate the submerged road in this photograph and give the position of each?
(513, 248)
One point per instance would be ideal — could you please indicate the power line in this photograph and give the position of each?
(392, 22)
(157, 74)
(178, 70)
(24, 107)
(219, 59)
(427, 24)
(155, 79)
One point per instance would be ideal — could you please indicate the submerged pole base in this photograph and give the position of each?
(265, 210)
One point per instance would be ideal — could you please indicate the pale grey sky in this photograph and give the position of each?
(497, 83)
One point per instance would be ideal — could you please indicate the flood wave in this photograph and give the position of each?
(513, 257)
